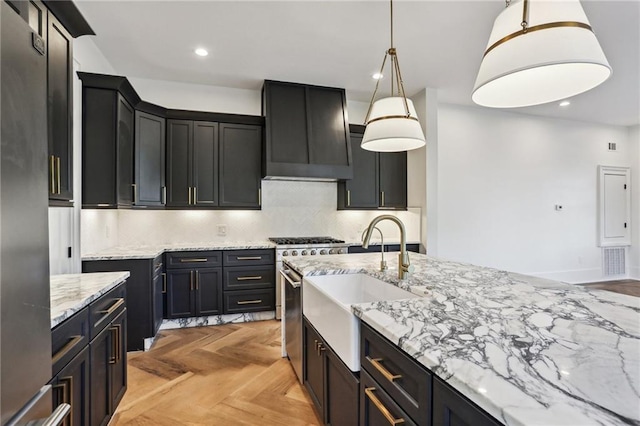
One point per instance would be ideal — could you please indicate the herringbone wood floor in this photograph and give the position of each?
(221, 375)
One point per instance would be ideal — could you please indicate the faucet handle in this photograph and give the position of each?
(410, 268)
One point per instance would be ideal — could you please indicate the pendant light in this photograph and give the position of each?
(538, 52)
(392, 123)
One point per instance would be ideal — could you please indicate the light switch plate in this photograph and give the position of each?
(222, 230)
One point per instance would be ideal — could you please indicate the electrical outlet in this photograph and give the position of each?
(222, 230)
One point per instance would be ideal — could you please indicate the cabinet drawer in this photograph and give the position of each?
(249, 301)
(68, 339)
(249, 277)
(408, 383)
(377, 408)
(194, 259)
(248, 257)
(452, 408)
(106, 308)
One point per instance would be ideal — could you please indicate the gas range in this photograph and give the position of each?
(308, 246)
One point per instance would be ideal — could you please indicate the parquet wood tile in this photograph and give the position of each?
(220, 375)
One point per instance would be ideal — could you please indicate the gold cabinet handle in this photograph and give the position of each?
(200, 259)
(69, 379)
(52, 166)
(249, 302)
(118, 342)
(191, 280)
(376, 362)
(348, 197)
(380, 406)
(114, 339)
(135, 192)
(164, 282)
(119, 302)
(249, 258)
(257, 277)
(73, 342)
(58, 173)
(260, 196)
(164, 195)
(189, 195)
(195, 195)
(197, 280)
(381, 198)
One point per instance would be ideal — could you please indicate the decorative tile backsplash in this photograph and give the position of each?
(289, 208)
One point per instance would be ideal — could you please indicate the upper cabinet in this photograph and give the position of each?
(149, 167)
(379, 179)
(307, 133)
(240, 149)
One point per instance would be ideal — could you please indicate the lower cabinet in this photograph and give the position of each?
(71, 386)
(450, 408)
(377, 407)
(194, 292)
(331, 385)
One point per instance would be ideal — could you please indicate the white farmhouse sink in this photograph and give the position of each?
(327, 300)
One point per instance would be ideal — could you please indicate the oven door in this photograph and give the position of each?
(292, 320)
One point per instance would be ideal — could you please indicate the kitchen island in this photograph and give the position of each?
(528, 351)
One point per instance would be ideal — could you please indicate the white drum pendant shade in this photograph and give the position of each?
(558, 57)
(390, 130)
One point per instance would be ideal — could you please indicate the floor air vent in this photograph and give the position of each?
(613, 260)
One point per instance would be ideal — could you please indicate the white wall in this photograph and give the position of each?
(64, 222)
(634, 253)
(500, 175)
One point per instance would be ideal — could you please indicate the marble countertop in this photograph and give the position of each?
(72, 292)
(151, 252)
(529, 351)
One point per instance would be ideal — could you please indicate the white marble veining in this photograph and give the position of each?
(529, 351)
(169, 324)
(72, 292)
(151, 252)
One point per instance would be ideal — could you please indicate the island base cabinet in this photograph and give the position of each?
(377, 408)
(452, 409)
(108, 370)
(71, 386)
(313, 371)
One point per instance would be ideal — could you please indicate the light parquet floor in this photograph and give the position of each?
(221, 375)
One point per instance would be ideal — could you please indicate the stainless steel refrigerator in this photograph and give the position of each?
(25, 323)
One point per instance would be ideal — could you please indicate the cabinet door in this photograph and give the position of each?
(118, 364)
(208, 284)
(452, 409)
(159, 289)
(101, 349)
(328, 133)
(180, 294)
(71, 385)
(179, 147)
(240, 165)
(377, 408)
(393, 179)
(149, 160)
(314, 367)
(60, 110)
(205, 163)
(342, 391)
(362, 192)
(125, 152)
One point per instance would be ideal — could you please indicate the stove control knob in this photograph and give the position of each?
(294, 253)
(323, 251)
(313, 252)
(341, 251)
(332, 251)
(285, 253)
(304, 253)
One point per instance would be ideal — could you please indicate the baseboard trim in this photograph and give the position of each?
(578, 276)
(170, 324)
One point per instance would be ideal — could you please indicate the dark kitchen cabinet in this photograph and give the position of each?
(149, 168)
(379, 178)
(107, 149)
(375, 248)
(145, 287)
(240, 165)
(450, 408)
(71, 385)
(249, 280)
(180, 294)
(377, 408)
(192, 163)
(60, 110)
(333, 388)
(208, 283)
(307, 131)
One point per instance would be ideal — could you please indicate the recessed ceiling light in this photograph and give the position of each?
(565, 103)
(201, 52)
(377, 76)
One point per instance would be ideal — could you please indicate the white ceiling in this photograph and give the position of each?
(341, 43)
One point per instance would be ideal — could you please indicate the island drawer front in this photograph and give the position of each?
(103, 310)
(194, 259)
(249, 257)
(249, 277)
(249, 301)
(449, 404)
(68, 339)
(374, 402)
(384, 362)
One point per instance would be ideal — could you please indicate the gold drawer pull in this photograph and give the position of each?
(73, 342)
(250, 302)
(113, 307)
(380, 406)
(52, 166)
(114, 345)
(164, 282)
(194, 260)
(387, 375)
(249, 258)
(257, 277)
(348, 197)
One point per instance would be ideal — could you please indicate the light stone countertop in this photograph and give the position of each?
(72, 292)
(529, 351)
